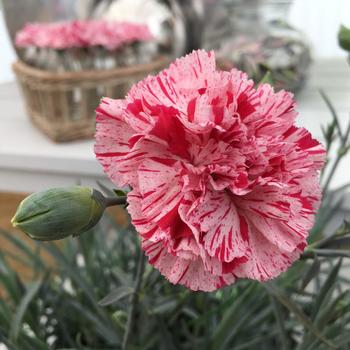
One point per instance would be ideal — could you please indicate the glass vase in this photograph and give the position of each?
(263, 41)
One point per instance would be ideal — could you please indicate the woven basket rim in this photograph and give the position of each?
(22, 68)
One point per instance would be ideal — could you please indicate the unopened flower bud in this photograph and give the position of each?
(59, 212)
(344, 38)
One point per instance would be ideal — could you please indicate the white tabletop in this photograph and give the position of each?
(29, 161)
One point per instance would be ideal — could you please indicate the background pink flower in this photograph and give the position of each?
(225, 186)
(65, 35)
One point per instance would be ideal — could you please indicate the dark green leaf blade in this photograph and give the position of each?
(267, 79)
(295, 309)
(116, 295)
(311, 273)
(327, 288)
(22, 308)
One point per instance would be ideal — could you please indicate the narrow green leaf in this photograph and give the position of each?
(280, 322)
(85, 245)
(343, 339)
(324, 132)
(83, 284)
(267, 79)
(333, 112)
(111, 192)
(323, 217)
(108, 333)
(332, 253)
(22, 308)
(167, 340)
(72, 271)
(5, 307)
(328, 133)
(256, 342)
(9, 281)
(311, 273)
(341, 243)
(164, 307)
(340, 189)
(327, 288)
(260, 316)
(116, 295)
(36, 343)
(24, 248)
(295, 309)
(332, 310)
(121, 276)
(14, 256)
(342, 230)
(223, 330)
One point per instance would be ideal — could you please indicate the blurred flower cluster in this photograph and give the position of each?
(90, 44)
(65, 35)
(262, 40)
(287, 58)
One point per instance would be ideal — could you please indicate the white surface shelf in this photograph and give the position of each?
(29, 161)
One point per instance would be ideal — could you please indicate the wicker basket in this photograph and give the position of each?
(62, 105)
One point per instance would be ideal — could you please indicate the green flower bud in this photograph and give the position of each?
(344, 38)
(59, 212)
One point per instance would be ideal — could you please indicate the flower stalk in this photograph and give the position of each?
(113, 201)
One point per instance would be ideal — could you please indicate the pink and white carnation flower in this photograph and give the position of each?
(224, 185)
(77, 34)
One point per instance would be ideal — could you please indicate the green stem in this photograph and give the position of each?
(330, 176)
(134, 301)
(340, 155)
(343, 140)
(333, 112)
(329, 253)
(112, 201)
(321, 242)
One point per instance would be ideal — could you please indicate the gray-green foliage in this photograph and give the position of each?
(83, 300)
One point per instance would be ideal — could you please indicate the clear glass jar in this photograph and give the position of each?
(262, 41)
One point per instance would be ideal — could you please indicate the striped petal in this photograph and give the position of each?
(266, 262)
(190, 273)
(159, 185)
(222, 231)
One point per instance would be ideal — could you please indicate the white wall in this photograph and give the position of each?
(7, 54)
(319, 19)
